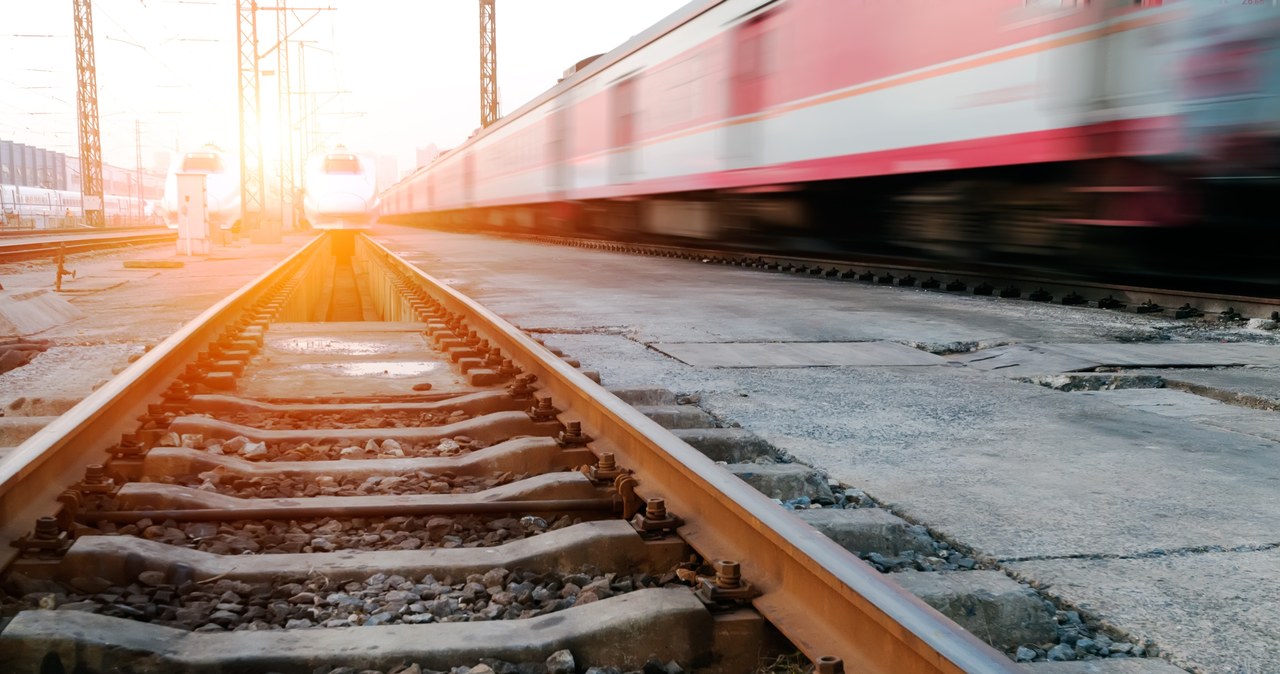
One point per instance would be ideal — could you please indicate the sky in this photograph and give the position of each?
(386, 76)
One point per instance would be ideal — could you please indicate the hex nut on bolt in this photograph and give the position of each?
(828, 664)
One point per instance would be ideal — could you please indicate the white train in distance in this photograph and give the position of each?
(340, 191)
(222, 186)
(23, 207)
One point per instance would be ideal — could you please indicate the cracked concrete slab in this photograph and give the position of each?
(1208, 612)
(1248, 387)
(796, 354)
(1025, 359)
(1196, 409)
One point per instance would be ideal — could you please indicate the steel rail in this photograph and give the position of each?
(35, 473)
(27, 250)
(824, 599)
(73, 231)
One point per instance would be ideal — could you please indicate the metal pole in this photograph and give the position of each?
(488, 63)
(87, 107)
(249, 86)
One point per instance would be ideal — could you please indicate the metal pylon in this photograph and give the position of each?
(489, 112)
(87, 107)
(252, 178)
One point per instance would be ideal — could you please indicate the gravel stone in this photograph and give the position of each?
(1061, 652)
(561, 662)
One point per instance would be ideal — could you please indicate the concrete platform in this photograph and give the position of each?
(300, 361)
(1015, 471)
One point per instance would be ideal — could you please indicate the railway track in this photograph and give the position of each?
(37, 246)
(994, 281)
(282, 486)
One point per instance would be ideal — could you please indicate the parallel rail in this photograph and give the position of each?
(829, 603)
(47, 246)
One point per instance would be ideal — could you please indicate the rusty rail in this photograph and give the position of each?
(827, 601)
(35, 473)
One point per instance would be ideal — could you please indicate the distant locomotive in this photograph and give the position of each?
(979, 128)
(222, 187)
(339, 191)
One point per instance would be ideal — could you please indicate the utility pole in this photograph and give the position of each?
(252, 180)
(284, 119)
(87, 107)
(488, 63)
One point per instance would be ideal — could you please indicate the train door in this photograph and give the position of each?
(750, 54)
(622, 109)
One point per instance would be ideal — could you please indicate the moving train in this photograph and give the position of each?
(1063, 129)
(23, 207)
(222, 186)
(340, 191)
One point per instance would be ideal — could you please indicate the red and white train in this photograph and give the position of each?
(982, 125)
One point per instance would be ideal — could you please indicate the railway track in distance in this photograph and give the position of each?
(278, 487)
(14, 248)
(974, 280)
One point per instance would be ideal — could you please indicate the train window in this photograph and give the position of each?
(341, 163)
(202, 162)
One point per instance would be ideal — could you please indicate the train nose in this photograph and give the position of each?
(341, 203)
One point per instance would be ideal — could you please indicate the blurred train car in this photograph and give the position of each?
(23, 207)
(222, 187)
(340, 191)
(983, 128)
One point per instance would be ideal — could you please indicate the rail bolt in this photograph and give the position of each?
(572, 435)
(520, 389)
(46, 529)
(544, 411)
(727, 586)
(728, 574)
(655, 508)
(606, 468)
(828, 664)
(95, 473)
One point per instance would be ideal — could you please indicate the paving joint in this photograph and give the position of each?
(1152, 554)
